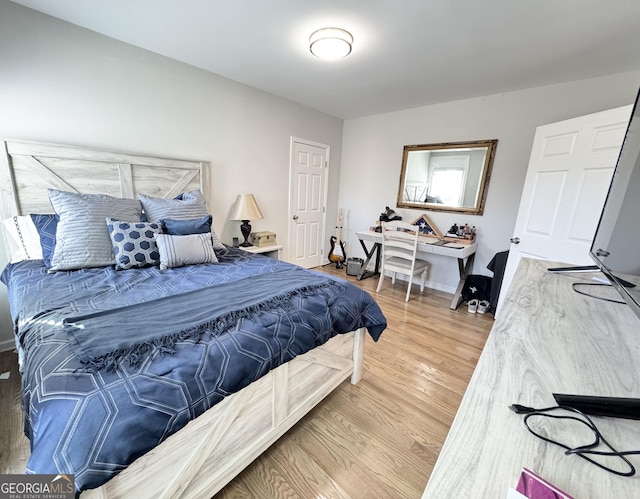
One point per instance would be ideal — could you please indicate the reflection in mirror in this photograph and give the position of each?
(452, 176)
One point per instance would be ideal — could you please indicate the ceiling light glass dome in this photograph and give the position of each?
(330, 43)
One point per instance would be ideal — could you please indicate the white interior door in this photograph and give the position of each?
(567, 182)
(309, 164)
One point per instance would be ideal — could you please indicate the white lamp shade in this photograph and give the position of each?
(330, 43)
(245, 208)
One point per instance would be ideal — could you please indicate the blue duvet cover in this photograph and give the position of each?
(92, 418)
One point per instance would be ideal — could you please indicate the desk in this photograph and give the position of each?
(468, 252)
(547, 339)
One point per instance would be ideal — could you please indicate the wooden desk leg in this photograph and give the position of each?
(464, 269)
(364, 273)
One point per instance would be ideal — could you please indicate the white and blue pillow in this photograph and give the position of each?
(134, 244)
(191, 249)
(21, 239)
(30, 237)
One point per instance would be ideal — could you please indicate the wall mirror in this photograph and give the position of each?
(451, 177)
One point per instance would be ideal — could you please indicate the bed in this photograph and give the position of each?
(135, 399)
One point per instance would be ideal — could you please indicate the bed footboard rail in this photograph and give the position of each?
(211, 450)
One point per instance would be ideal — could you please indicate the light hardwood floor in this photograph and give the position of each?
(379, 438)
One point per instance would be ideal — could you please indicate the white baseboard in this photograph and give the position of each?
(440, 287)
(6, 345)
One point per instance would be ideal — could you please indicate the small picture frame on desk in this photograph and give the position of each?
(426, 227)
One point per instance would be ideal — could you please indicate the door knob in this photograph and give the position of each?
(295, 217)
(515, 240)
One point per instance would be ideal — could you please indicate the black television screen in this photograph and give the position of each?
(616, 245)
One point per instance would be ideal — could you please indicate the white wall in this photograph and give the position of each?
(372, 156)
(64, 84)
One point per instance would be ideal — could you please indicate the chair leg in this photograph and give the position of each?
(423, 279)
(380, 281)
(393, 278)
(409, 288)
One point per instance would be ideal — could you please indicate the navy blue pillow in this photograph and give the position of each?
(186, 227)
(46, 225)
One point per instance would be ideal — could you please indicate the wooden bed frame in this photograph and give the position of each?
(211, 450)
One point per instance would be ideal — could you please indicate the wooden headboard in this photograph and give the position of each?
(28, 169)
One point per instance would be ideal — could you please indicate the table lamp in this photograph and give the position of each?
(245, 208)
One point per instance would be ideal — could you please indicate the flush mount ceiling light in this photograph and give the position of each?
(330, 43)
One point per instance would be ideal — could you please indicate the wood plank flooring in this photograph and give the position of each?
(377, 439)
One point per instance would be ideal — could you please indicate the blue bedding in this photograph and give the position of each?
(92, 421)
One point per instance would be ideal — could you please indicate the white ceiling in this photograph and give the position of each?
(406, 53)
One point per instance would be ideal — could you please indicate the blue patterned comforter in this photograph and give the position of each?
(94, 422)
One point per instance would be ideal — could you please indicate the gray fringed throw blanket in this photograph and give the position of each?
(104, 339)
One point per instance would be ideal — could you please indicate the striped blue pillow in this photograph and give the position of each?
(188, 205)
(82, 238)
(178, 251)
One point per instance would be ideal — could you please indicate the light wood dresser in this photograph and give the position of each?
(547, 339)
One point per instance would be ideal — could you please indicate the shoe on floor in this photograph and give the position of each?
(483, 307)
(472, 306)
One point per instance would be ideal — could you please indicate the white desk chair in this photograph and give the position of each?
(399, 248)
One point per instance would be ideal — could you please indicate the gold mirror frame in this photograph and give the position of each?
(471, 164)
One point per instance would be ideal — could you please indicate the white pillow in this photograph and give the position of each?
(21, 239)
(177, 251)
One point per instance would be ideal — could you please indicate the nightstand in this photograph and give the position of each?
(273, 251)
